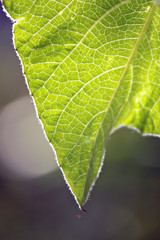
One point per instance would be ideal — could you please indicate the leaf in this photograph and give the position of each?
(91, 66)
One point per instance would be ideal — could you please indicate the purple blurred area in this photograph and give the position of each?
(35, 202)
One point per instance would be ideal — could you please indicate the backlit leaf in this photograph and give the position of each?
(91, 66)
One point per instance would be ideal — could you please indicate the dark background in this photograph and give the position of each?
(35, 202)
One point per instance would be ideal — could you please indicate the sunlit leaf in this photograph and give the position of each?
(91, 66)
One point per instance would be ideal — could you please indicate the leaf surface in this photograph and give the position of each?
(91, 66)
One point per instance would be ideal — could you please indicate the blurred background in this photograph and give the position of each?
(35, 202)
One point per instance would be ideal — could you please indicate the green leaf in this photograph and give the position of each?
(91, 66)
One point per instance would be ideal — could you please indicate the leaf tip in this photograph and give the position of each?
(84, 210)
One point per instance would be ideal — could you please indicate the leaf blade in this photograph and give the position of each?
(79, 61)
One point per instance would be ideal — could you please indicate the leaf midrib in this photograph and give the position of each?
(133, 52)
